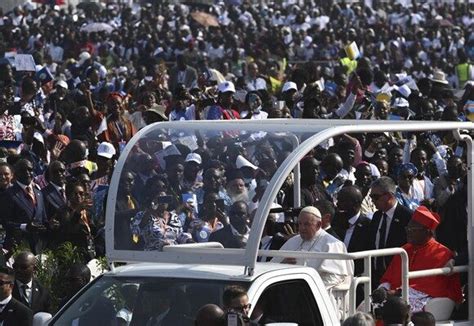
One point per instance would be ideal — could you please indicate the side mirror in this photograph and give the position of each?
(41, 319)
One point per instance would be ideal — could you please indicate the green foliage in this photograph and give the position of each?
(52, 267)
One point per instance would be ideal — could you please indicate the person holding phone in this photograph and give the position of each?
(234, 234)
(75, 222)
(211, 218)
(156, 226)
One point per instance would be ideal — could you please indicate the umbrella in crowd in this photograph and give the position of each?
(91, 6)
(205, 19)
(97, 27)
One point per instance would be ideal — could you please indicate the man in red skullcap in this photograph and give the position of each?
(424, 252)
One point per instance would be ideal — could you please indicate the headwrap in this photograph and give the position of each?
(406, 167)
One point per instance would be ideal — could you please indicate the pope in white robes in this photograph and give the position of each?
(313, 238)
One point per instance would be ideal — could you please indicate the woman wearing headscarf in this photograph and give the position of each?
(156, 226)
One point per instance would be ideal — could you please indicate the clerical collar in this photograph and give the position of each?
(312, 242)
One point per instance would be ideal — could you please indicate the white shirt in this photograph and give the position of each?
(28, 290)
(58, 188)
(256, 84)
(332, 272)
(352, 221)
(4, 302)
(389, 214)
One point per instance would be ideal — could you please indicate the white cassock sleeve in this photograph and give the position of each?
(334, 272)
(290, 244)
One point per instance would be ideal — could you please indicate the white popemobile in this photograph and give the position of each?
(183, 277)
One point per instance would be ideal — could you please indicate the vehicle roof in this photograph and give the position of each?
(202, 271)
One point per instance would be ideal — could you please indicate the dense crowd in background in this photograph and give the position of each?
(103, 72)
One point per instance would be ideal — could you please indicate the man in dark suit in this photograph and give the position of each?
(12, 312)
(24, 214)
(233, 234)
(350, 225)
(26, 289)
(387, 228)
(55, 193)
(181, 73)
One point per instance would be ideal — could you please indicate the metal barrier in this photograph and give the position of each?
(366, 277)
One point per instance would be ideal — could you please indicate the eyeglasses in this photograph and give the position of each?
(242, 308)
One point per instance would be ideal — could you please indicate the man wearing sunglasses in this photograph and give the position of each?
(387, 228)
(12, 312)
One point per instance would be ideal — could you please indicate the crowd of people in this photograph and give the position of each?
(103, 72)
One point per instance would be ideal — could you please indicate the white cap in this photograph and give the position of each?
(289, 85)
(106, 150)
(225, 87)
(241, 162)
(62, 84)
(194, 157)
(312, 210)
(83, 57)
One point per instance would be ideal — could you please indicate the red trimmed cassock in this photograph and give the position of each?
(430, 255)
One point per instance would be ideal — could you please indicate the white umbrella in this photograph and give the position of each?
(97, 27)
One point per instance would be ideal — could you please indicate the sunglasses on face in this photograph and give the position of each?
(244, 307)
(376, 196)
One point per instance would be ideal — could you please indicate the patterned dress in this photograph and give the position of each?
(156, 233)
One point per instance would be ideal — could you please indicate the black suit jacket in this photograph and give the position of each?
(122, 231)
(16, 314)
(17, 208)
(358, 240)
(334, 233)
(226, 238)
(40, 297)
(396, 236)
(53, 201)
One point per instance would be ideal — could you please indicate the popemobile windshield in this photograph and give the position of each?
(273, 149)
